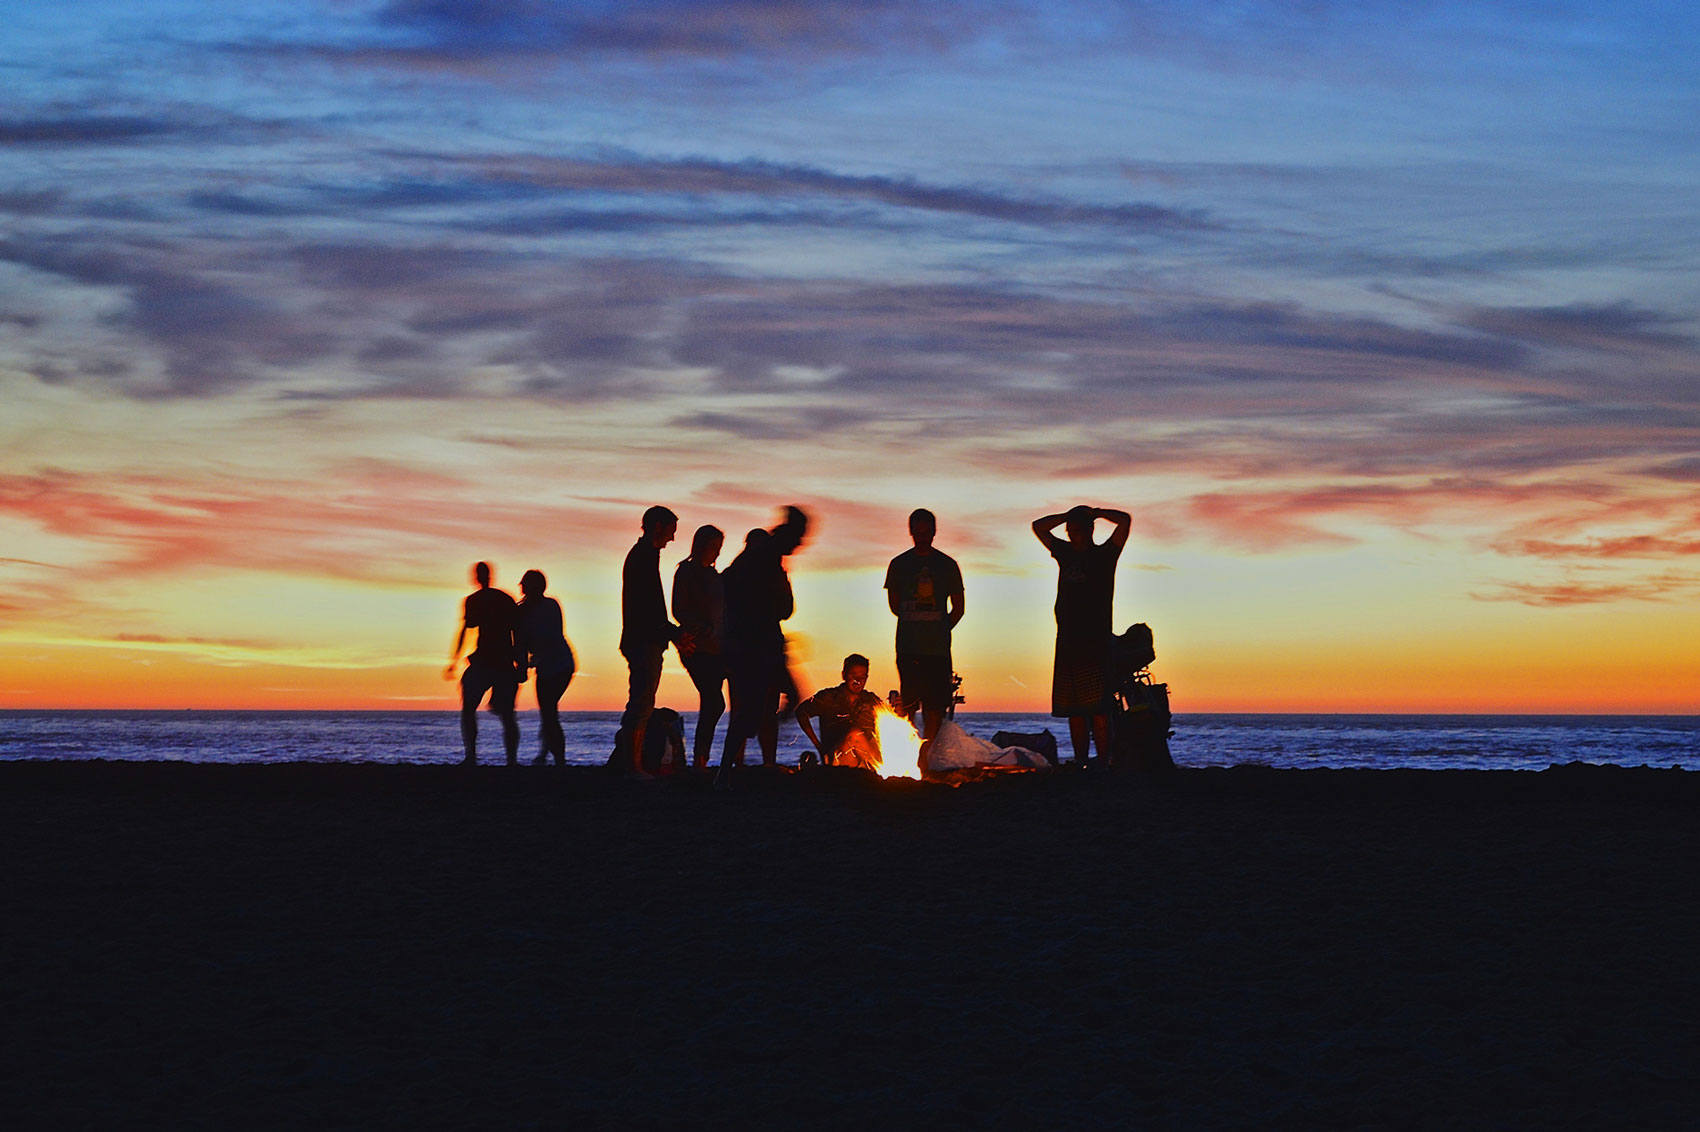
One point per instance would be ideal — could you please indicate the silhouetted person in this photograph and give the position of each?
(645, 631)
(1086, 591)
(699, 606)
(847, 712)
(495, 667)
(758, 600)
(543, 640)
(788, 538)
(924, 589)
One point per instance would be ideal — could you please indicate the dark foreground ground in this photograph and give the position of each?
(400, 947)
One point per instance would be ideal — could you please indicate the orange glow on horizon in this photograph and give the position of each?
(1496, 677)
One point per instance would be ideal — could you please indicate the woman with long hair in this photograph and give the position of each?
(544, 640)
(699, 606)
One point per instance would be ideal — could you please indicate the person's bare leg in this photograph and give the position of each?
(510, 737)
(469, 734)
(1080, 734)
(931, 720)
(732, 754)
(1101, 738)
(768, 737)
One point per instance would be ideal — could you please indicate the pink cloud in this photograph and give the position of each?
(1660, 588)
(373, 522)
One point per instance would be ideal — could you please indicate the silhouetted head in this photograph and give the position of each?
(660, 525)
(922, 527)
(481, 574)
(856, 672)
(532, 583)
(791, 531)
(706, 544)
(1078, 523)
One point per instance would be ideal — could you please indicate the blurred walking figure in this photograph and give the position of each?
(1086, 591)
(699, 606)
(543, 640)
(645, 631)
(758, 600)
(495, 667)
(924, 589)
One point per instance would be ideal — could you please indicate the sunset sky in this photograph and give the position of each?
(1380, 317)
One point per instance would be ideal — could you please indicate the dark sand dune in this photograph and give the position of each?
(365, 947)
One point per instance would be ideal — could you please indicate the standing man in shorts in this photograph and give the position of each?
(924, 588)
(496, 666)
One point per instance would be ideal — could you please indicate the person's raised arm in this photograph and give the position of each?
(1043, 527)
(1123, 522)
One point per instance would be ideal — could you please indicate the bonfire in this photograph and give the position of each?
(899, 744)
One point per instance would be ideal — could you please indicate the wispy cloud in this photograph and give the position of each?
(634, 174)
(1666, 587)
(85, 129)
(245, 654)
(371, 522)
(1611, 327)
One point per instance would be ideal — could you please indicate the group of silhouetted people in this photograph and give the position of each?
(727, 627)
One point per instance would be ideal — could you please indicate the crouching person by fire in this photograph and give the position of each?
(847, 730)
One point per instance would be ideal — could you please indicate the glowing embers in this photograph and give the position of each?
(900, 746)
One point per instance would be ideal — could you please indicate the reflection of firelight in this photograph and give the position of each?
(900, 746)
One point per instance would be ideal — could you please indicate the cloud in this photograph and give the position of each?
(448, 33)
(1053, 384)
(633, 174)
(84, 129)
(25, 202)
(1610, 327)
(1685, 470)
(501, 40)
(1624, 546)
(778, 425)
(1663, 588)
(657, 192)
(366, 520)
(1523, 514)
(213, 335)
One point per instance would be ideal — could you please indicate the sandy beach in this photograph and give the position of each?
(361, 946)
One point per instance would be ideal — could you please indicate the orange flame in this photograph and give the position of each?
(900, 745)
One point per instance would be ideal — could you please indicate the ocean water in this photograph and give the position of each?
(1478, 742)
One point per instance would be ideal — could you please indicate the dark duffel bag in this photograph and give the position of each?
(1141, 725)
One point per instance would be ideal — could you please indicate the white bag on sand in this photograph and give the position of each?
(955, 749)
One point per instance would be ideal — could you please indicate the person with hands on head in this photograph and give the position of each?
(496, 665)
(1086, 589)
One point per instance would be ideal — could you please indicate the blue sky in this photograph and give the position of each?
(1390, 300)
